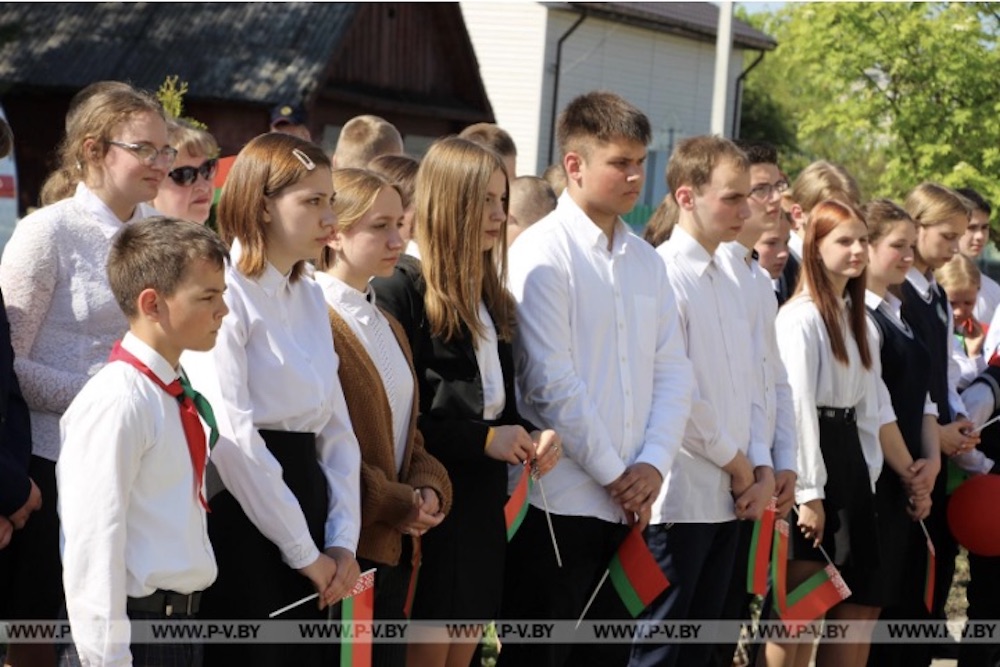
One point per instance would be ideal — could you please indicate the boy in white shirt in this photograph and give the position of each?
(721, 474)
(600, 358)
(132, 467)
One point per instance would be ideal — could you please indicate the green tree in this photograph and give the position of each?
(898, 93)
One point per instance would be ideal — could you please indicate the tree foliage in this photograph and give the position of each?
(898, 93)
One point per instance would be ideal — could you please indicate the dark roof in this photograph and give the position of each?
(697, 20)
(253, 52)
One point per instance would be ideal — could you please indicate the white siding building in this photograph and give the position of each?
(659, 56)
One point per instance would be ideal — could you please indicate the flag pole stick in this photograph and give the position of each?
(591, 600)
(548, 519)
(293, 605)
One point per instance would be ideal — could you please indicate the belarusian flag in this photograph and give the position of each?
(635, 573)
(517, 505)
(358, 607)
(760, 550)
(813, 597)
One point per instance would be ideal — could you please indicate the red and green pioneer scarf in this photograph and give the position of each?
(635, 574)
(358, 607)
(760, 550)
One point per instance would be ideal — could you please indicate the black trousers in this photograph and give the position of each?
(536, 588)
(697, 559)
(148, 655)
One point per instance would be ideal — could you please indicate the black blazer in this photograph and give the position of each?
(451, 389)
(15, 428)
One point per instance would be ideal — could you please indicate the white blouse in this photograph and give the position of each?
(488, 359)
(63, 317)
(819, 380)
(371, 327)
(274, 367)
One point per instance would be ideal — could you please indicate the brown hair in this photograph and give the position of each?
(531, 199)
(266, 166)
(827, 216)
(356, 190)
(491, 136)
(661, 223)
(600, 116)
(695, 158)
(401, 170)
(823, 180)
(185, 136)
(364, 138)
(96, 112)
(156, 253)
(881, 215)
(451, 198)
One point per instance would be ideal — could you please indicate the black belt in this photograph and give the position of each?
(167, 603)
(838, 414)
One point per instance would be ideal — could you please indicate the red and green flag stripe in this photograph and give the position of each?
(813, 597)
(760, 550)
(517, 505)
(929, 576)
(635, 574)
(358, 607)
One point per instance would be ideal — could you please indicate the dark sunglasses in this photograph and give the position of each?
(188, 175)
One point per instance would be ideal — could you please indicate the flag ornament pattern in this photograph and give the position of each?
(635, 574)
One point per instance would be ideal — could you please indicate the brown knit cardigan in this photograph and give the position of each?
(386, 499)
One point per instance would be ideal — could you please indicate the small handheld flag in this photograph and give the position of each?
(358, 607)
(517, 505)
(634, 573)
(760, 550)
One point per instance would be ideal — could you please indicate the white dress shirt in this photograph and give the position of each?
(599, 356)
(719, 342)
(988, 299)
(923, 285)
(63, 317)
(130, 521)
(274, 367)
(820, 380)
(775, 393)
(371, 327)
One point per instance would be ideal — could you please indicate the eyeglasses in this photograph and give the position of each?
(765, 191)
(185, 176)
(147, 153)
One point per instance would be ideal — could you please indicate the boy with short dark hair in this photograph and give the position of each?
(132, 466)
(600, 358)
(722, 474)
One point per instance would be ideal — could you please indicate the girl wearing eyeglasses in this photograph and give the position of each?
(187, 190)
(63, 317)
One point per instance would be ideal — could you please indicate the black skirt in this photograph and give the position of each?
(850, 535)
(253, 579)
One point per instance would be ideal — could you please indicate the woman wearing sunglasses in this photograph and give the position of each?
(187, 191)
